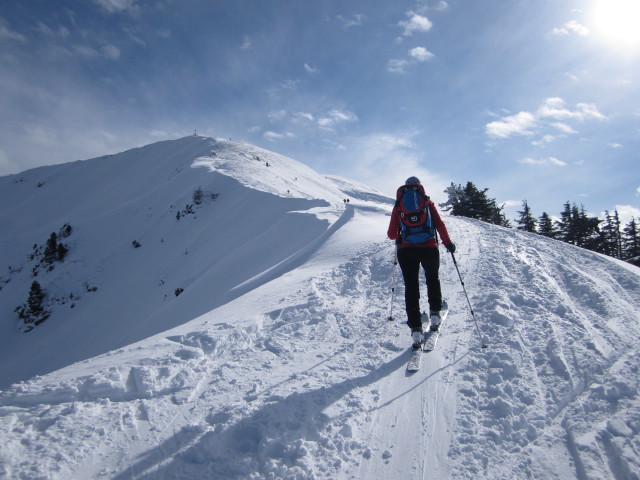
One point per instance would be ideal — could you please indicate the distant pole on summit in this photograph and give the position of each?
(195, 133)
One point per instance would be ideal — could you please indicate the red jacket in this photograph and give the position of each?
(394, 228)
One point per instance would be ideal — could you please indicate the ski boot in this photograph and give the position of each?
(434, 316)
(417, 337)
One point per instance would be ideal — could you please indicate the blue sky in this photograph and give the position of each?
(532, 99)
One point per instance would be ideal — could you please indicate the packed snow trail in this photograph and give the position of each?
(307, 382)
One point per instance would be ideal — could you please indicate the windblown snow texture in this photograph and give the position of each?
(277, 360)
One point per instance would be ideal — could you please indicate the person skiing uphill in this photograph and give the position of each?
(413, 225)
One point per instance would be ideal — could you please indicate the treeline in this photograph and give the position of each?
(470, 202)
(574, 226)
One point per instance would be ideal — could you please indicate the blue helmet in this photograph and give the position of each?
(412, 181)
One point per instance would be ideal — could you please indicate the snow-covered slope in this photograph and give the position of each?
(265, 221)
(290, 368)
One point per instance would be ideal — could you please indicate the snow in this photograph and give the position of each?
(277, 359)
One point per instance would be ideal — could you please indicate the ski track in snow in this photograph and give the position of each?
(303, 377)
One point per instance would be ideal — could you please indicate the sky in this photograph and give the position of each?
(535, 100)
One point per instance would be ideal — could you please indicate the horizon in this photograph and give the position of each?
(535, 101)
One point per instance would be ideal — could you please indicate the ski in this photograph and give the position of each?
(431, 338)
(414, 360)
(429, 341)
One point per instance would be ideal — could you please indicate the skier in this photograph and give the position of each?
(416, 249)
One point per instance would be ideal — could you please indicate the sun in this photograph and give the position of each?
(617, 22)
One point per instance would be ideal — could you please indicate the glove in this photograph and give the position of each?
(451, 247)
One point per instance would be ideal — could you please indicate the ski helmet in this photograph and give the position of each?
(412, 181)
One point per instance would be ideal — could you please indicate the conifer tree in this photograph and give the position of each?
(565, 224)
(454, 200)
(631, 243)
(610, 235)
(36, 297)
(587, 229)
(33, 312)
(546, 226)
(469, 201)
(51, 249)
(526, 221)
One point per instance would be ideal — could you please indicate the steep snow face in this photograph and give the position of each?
(296, 373)
(259, 215)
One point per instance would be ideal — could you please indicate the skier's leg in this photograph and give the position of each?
(410, 266)
(430, 260)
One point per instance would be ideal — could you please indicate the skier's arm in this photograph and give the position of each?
(439, 224)
(392, 232)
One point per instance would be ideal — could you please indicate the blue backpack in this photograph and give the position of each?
(415, 219)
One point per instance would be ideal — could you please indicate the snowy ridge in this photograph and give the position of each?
(107, 294)
(300, 375)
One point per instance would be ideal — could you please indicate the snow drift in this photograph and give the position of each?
(277, 361)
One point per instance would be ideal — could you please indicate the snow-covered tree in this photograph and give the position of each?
(470, 202)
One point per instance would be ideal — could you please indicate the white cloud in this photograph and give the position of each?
(247, 44)
(616, 145)
(441, 6)
(555, 108)
(415, 24)
(587, 111)
(386, 160)
(6, 32)
(334, 118)
(117, 6)
(563, 127)
(397, 65)
(549, 161)
(571, 27)
(416, 55)
(518, 124)
(511, 203)
(572, 76)
(553, 113)
(41, 134)
(306, 116)
(43, 28)
(310, 70)
(107, 51)
(111, 51)
(421, 54)
(276, 116)
(287, 85)
(627, 212)
(273, 136)
(544, 140)
(354, 21)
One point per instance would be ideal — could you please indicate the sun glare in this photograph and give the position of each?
(617, 22)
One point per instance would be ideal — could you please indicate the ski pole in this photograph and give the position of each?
(483, 340)
(393, 282)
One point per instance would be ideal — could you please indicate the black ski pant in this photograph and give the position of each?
(410, 260)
